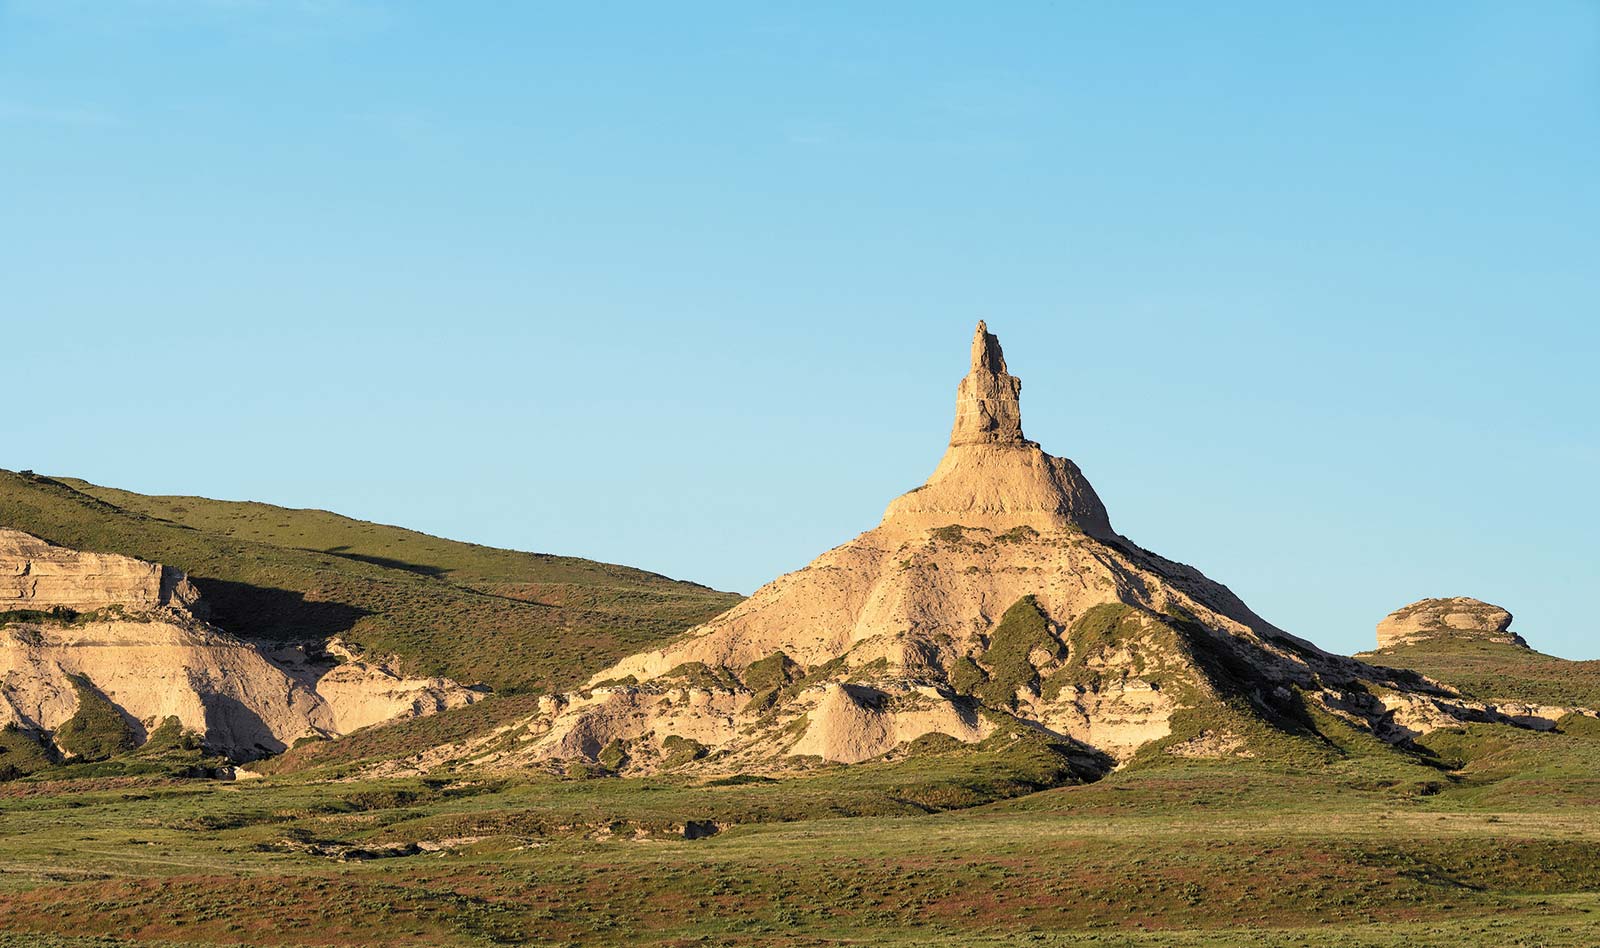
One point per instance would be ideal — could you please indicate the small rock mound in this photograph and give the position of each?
(1460, 617)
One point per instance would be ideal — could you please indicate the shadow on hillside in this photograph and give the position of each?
(432, 572)
(233, 728)
(282, 615)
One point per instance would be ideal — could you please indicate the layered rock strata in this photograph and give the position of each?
(1460, 617)
(131, 630)
(34, 573)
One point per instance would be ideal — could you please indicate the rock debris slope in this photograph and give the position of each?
(995, 595)
(134, 633)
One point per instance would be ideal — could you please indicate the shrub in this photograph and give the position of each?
(613, 755)
(1017, 534)
(1021, 629)
(57, 615)
(97, 729)
(739, 780)
(701, 675)
(965, 675)
(170, 737)
(774, 671)
(21, 753)
(677, 751)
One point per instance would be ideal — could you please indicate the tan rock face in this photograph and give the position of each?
(1460, 617)
(360, 692)
(991, 476)
(899, 606)
(987, 403)
(35, 574)
(216, 685)
(851, 723)
(139, 642)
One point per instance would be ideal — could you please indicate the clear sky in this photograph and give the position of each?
(1310, 291)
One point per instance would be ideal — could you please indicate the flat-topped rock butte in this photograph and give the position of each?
(1460, 617)
(995, 592)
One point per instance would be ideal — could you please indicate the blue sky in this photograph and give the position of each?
(1311, 292)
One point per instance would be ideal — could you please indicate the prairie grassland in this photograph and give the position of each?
(1220, 853)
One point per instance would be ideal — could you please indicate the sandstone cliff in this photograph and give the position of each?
(132, 631)
(34, 574)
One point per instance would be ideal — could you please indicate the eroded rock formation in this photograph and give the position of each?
(34, 574)
(988, 407)
(130, 630)
(1460, 617)
(997, 594)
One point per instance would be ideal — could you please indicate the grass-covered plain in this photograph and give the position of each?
(956, 847)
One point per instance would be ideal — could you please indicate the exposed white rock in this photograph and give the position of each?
(852, 723)
(137, 640)
(153, 667)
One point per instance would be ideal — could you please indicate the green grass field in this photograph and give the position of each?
(995, 844)
(1192, 854)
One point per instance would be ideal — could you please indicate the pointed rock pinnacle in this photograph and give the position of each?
(987, 408)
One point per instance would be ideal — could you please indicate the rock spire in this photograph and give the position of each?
(991, 476)
(987, 408)
(903, 632)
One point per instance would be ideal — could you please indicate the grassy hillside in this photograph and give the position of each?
(400, 739)
(1490, 670)
(515, 621)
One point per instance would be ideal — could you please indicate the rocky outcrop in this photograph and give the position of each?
(152, 667)
(991, 477)
(360, 691)
(1458, 618)
(988, 410)
(35, 574)
(852, 723)
(130, 630)
(997, 591)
